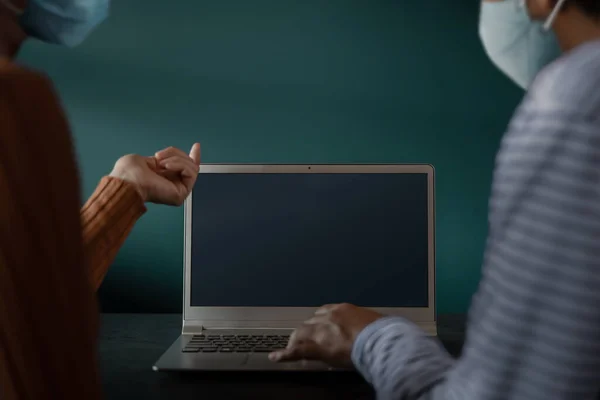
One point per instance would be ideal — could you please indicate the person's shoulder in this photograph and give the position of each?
(573, 80)
(12, 70)
(23, 90)
(18, 80)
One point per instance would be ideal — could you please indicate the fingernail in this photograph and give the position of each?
(273, 356)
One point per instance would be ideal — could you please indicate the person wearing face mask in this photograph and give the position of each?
(533, 330)
(518, 46)
(62, 22)
(54, 254)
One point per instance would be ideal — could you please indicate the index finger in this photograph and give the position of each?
(169, 152)
(325, 309)
(300, 346)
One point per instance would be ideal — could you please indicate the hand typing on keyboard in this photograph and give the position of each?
(329, 336)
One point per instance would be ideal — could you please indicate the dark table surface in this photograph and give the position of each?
(131, 343)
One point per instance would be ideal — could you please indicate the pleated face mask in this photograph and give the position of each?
(518, 46)
(63, 22)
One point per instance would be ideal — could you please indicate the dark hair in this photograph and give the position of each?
(589, 7)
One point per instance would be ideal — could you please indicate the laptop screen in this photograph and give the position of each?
(304, 240)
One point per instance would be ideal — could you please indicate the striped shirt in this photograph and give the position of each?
(534, 325)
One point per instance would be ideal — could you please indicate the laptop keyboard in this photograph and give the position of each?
(236, 343)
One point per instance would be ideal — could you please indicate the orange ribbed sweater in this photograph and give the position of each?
(53, 254)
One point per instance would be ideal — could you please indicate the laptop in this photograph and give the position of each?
(266, 245)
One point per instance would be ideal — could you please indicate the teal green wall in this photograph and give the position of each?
(293, 82)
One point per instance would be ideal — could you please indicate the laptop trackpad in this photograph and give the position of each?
(215, 361)
(262, 362)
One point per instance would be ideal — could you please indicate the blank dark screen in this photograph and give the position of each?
(304, 240)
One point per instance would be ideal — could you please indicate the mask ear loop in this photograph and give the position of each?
(548, 24)
(11, 7)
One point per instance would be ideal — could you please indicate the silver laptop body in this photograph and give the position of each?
(230, 322)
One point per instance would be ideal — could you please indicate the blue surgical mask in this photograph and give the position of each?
(64, 22)
(518, 46)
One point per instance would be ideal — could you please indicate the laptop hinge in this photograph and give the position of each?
(197, 328)
(192, 327)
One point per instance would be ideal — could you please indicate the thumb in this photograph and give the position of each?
(279, 355)
(299, 351)
(195, 153)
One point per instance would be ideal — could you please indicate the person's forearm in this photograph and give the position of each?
(400, 360)
(107, 218)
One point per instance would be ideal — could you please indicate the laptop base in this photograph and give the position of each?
(175, 360)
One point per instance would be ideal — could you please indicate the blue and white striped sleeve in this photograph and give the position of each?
(534, 326)
(399, 359)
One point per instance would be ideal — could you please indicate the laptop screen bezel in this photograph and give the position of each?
(285, 317)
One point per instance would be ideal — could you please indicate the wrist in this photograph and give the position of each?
(366, 334)
(132, 182)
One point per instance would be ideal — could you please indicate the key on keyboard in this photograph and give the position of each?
(236, 344)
